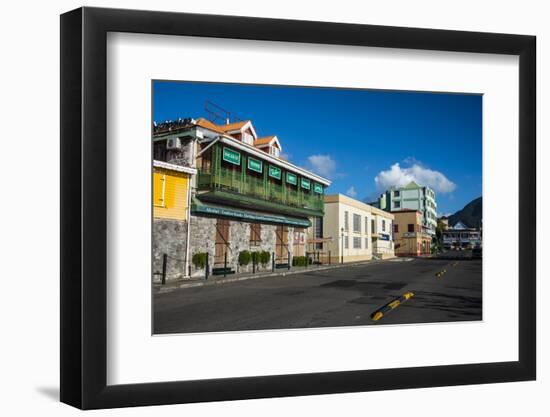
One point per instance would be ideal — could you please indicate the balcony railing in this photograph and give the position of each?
(227, 180)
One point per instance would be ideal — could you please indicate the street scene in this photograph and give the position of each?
(270, 221)
(336, 297)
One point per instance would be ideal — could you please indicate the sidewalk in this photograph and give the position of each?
(220, 279)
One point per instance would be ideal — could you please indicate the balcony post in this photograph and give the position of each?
(242, 187)
(266, 181)
(283, 184)
(216, 164)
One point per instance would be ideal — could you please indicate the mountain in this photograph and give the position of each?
(470, 215)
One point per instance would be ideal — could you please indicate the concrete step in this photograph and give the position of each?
(222, 271)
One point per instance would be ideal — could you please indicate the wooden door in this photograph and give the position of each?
(281, 243)
(222, 241)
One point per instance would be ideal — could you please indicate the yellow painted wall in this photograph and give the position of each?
(170, 190)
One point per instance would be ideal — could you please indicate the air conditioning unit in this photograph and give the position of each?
(173, 143)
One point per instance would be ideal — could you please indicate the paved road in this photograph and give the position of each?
(338, 297)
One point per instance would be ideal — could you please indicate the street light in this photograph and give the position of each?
(342, 257)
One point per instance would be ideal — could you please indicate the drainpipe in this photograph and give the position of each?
(189, 214)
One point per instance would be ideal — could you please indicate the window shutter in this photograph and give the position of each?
(159, 186)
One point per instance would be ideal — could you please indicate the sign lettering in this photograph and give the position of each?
(231, 156)
(275, 172)
(254, 165)
(291, 178)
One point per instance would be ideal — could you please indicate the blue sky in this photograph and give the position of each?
(363, 140)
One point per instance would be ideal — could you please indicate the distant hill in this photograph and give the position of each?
(470, 215)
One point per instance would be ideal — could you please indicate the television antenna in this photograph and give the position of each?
(218, 115)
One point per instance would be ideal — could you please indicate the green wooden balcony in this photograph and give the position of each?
(232, 187)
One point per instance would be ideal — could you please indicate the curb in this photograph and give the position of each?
(164, 290)
(396, 302)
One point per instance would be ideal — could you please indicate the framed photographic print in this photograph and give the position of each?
(258, 208)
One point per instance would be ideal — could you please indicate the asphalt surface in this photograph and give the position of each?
(345, 296)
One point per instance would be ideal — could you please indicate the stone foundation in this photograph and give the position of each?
(169, 237)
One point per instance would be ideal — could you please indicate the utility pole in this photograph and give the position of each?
(342, 245)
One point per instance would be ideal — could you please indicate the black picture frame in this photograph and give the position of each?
(84, 207)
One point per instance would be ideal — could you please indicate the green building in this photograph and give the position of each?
(245, 196)
(411, 197)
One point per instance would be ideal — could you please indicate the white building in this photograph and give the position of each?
(461, 236)
(358, 231)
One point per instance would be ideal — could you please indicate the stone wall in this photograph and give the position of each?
(169, 237)
(203, 239)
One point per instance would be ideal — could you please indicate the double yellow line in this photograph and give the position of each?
(378, 314)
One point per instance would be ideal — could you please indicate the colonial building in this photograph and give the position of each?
(245, 197)
(461, 236)
(171, 212)
(409, 234)
(357, 231)
(411, 197)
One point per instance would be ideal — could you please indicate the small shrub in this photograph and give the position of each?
(255, 257)
(244, 258)
(199, 260)
(265, 257)
(300, 261)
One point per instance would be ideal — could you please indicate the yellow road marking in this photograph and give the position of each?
(394, 304)
(377, 316)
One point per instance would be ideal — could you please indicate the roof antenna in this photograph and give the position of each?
(218, 115)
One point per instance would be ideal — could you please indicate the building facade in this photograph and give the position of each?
(409, 236)
(411, 197)
(245, 197)
(461, 236)
(355, 231)
(171, 213)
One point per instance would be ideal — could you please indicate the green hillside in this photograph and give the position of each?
(471, 215)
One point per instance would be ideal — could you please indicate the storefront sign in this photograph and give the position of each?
(231, 156)
(318, 188)
(254, 165)
(246, 215)
(291, 178)
(275, 172)
(306, 183)
(384, 236)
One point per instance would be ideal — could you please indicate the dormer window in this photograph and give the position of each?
(248, 138)
(275, 151)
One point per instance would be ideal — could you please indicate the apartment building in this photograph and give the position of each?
(411, 197)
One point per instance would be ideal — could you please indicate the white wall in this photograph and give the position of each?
(334, 221)
(30, 302)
